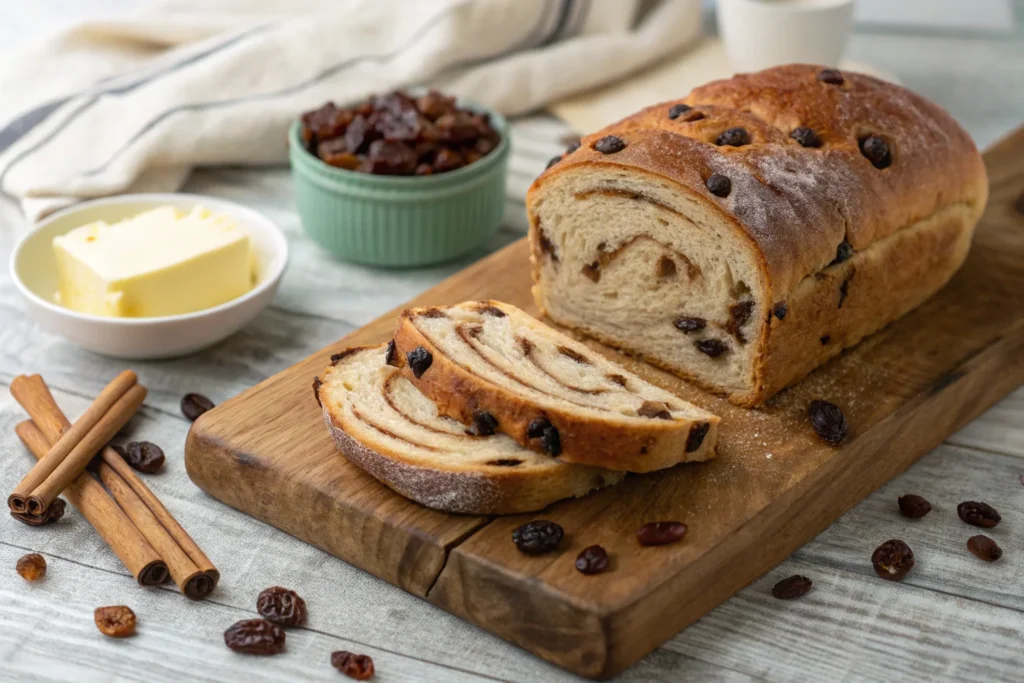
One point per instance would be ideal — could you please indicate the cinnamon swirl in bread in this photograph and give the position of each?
(383, 424)
(491, 366)
(745, 234)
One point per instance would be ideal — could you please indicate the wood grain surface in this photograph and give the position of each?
(774, 485)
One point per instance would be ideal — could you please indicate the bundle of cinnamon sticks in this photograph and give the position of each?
(118, 504)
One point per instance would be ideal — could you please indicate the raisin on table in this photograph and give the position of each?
(31, 567)
(537, 537)
(359, 667)
(117, 621)
(281, 606)
(255, 637)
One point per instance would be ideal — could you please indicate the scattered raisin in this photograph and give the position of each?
(391, 355)
(688, 324)
(194, 405)
(610, 144)
(281, 606)
(843, 252)
(654, 409)
(734, 137)
(546, 247)
(794, 587)
(574, 355)
(484, 423)
(830, 76)
(719, 185)
(978, 514)
(541, 428)
(876, 150)
(828, 420)
(893, 560)
(359, 667)
(780, 310)
(984, 548)
(592, 560)
(117, 621)
(538, 537)
(144, 456)
(31, 567)
(913, 506)
(711, 347)
(666, 267)
(677, 110)
(504, 462)
(552, 161)
(696, 436)
(739, 315)
(419, 360)
(661, 533)
(843, 292)
(317, 383)
(806, 137)
(255, 637)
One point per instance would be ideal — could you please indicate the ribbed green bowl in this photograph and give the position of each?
(400, 221)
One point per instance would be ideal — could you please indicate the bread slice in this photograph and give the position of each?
(383, 424)
(491, 366)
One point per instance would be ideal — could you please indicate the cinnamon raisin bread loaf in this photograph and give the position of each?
(745, 234)
(495, 368)
(384, 425)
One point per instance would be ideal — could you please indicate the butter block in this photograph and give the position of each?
(159, 262)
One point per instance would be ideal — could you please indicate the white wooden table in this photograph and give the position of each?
(954, 617)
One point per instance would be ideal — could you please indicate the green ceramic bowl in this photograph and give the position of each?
(400, 221)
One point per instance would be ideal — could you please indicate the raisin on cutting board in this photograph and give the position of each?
(593, 560)
(661, 533)
(537, 537)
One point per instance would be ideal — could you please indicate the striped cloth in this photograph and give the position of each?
(132, 104)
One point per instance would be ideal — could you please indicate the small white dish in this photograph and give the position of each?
(759, 34)
(34, 271)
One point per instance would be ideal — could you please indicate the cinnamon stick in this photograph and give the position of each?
(88, 497)
(86, 449)
(189, 567)
(18, 500)
(115, 462)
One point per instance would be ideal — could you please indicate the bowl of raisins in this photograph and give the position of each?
(401, 180)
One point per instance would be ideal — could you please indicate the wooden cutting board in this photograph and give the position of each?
(773, 487)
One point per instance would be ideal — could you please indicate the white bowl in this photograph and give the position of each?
(34, 271)
(762, 33)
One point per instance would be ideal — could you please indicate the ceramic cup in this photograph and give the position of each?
(762, 33)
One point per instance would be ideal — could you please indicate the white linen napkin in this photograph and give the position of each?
(132, 104)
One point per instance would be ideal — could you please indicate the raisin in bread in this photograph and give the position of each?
(743, 235)
(495, 368)
(385, 426)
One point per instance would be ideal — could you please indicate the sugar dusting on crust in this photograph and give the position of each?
(799, 203)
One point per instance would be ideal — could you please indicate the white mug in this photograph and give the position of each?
(763, 33)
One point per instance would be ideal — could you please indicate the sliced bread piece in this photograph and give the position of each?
(383, 424)
(491, 366)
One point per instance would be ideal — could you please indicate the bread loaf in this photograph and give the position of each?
(745, 234)
(385, 426)
(495, 368)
